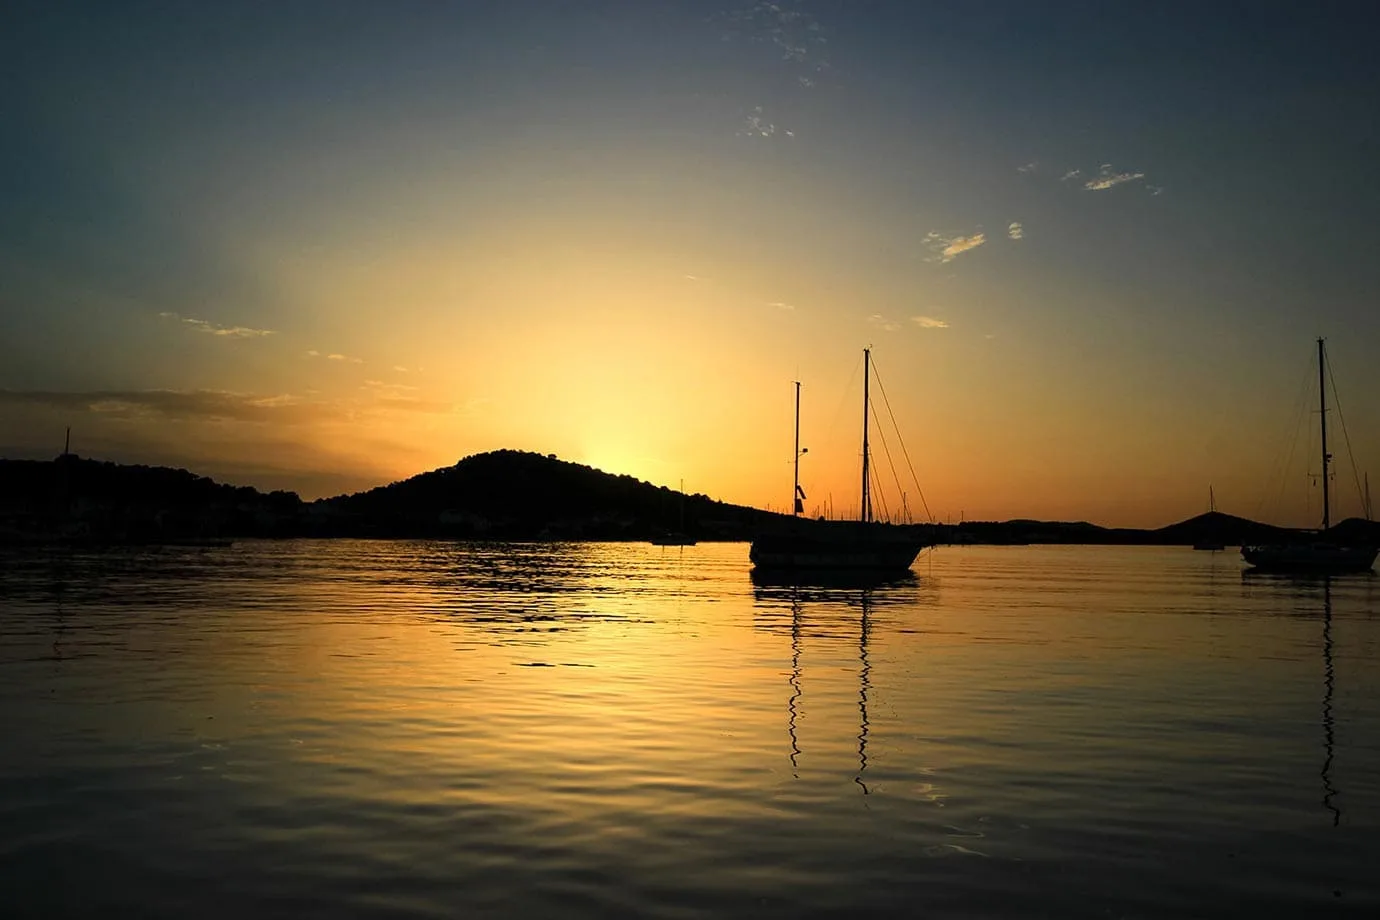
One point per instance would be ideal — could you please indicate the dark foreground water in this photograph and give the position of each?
(334, 729)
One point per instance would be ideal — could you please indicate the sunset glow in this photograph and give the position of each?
(618, 232)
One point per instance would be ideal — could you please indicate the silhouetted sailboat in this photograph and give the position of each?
(678, 537)
(1318, 554)
(1210, 545)
(865, 545)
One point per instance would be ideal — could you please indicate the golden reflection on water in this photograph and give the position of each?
(658, 719)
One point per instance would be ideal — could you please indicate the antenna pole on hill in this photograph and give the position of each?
(1367, 496)
(67, 444)
(1322, 406)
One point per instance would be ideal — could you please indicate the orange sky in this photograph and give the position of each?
(344, 265)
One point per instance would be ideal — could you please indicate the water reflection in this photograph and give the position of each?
(791, 707)
(1329, 681)
(864, 672)
(384, 728)
(840, 605)
(1308, 586)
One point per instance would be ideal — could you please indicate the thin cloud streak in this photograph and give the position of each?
(1016, 230)
(951, 247)
(929, 322)
(217, 405)
(1107, 178)
(201, 325)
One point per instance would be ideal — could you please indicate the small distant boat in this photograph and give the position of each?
(1317, 553)
(676, 537)
(1210, 545)
(866, 545)
(673, 539)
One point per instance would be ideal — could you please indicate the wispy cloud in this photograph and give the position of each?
(1155, 189)
(883, 322)
(206, 405)
(1107, 177)
(781, 305)
(233, 332)
(380, 386)
(929, 322)
(795, 33)
(1027, 168)
(948, 248)
(219, 405)
(400, 369)
(1071, 174)
(1016, 230)
(756, 124)
(337, 356)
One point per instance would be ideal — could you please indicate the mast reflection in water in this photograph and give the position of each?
(842, 602)
(1329, 684)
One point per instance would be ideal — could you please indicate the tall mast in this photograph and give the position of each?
(1367, 496)
(866, 489)
(1322, 415)
(796, 504)
(1212, 500)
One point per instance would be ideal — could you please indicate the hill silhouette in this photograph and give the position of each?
(509, 494)
(498, 495)
(83, 500)
(1217, 527)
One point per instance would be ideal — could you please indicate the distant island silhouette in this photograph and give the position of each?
(498, 495)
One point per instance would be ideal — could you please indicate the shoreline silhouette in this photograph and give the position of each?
(496, 495)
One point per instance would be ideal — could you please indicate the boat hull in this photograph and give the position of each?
(841, 549)
(1310, 557)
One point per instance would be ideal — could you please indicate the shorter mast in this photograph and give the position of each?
(797, 493)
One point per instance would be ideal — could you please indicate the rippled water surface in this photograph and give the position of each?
(338, 728)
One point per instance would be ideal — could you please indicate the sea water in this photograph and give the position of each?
(430, 729)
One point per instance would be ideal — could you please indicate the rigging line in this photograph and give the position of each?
(886, 449)
(924, 504)
(1272, 500)
(878, 495)
(1280, 470)
(1346, 438)
(844, 402)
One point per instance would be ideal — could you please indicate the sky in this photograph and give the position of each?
(327, 245)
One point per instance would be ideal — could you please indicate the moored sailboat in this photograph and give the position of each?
(676, 537)
(1318, 553)
(862, 546)
(1209, 544)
